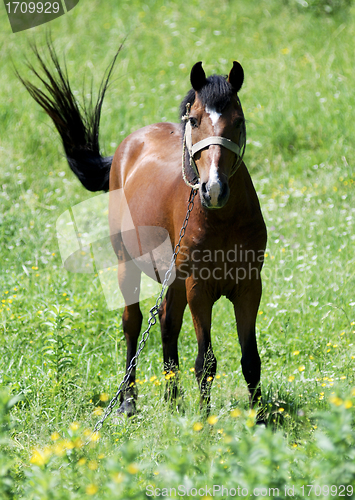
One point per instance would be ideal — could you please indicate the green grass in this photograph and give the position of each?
(62, 351)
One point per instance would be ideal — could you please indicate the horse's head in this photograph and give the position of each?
(214, 131)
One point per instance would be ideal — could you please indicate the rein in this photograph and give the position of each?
(192, 149)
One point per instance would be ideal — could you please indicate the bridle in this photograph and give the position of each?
(238, 149)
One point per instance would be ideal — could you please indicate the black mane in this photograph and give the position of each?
(216, 94)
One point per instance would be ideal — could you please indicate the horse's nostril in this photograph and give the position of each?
(204, 188)
(225, 190)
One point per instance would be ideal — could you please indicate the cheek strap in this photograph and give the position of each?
(214, 140)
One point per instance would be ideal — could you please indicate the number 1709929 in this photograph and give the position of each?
(326, 491)
(33, 7)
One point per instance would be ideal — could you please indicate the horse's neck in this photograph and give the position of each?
(243, 203)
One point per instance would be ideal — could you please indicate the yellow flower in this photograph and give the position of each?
(212, 419)
(296, 353)
(197, 426)
(104, 397)
(95, 436)
(55, 436)
(152, 378)
(301, 368)
(281, 410)
(209, 379)
(285, 51)
(82, 461)
(132, 469)
(98, 411)
(348, 404)
(40, 456)
(93, 464)
(59, 449)
(74, 426)
(78, 442)
(291, 378)
(92, 489)
(336, 400)
(236, 413)
(68, 444)
(118, 477)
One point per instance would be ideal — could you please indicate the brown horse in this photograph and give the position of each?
(223, 249)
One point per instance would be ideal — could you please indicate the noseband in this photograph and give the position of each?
(238, 149)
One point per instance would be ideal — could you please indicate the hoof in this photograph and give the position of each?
(128, 407)
(261, 417)
(205, 406)
(172, 392)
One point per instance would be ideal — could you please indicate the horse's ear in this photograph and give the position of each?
(236, 76)
(197, 77)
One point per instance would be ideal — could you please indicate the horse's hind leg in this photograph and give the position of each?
(246, 308)
(171, 315)
(129, 281)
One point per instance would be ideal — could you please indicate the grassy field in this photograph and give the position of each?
(62, 350)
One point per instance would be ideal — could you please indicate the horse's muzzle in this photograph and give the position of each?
(214, 196)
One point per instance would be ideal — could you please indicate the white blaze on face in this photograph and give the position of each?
(214, 116)
(214, 184)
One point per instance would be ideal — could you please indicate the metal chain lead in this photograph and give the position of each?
(154, 311)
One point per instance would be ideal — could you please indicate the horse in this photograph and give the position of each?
(156, 167)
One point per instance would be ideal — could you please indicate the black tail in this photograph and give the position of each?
(79, 130)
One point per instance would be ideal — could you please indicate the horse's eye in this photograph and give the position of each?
(193, 122)
(238, 122)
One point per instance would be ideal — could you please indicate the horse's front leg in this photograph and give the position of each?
(171, 315)
(201, 303)
(246, 306)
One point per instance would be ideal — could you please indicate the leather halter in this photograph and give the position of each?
(238, 149)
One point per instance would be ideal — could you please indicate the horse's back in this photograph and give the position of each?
(147, 189)
(147, 157)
